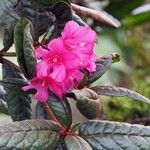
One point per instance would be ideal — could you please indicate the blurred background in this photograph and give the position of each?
(132, 42)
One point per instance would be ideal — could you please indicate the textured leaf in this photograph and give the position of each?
(29, 134)
(115, 136)
(2, 91)
(61, 145)
(45, 19)
(63, 14)
(118, 91)
(24, 46)
(8, 17)
(102, 65)
(61, 110)
(19, 102)
(3, 107)
(8, 37)
(11, 72)
(76, 143)
(88, 103)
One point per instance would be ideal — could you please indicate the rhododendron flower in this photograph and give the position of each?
(56, 61)
(80, 40)
(42, 85)
(59, 65)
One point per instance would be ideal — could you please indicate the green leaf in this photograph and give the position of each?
(88, 103)
(8, 17)
(11, 72)
(61, 110)
(23, 40)
(102, 65)
(19, 102)
(63, 14)
(119, 92)
(3, 107)
(133, 20)
(2, 91)
(76, 143)
(113, 135)
(29, 134)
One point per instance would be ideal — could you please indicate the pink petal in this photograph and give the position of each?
(56, 45)
(59, 73)
(69, 29)
(42, 94)
(71, 60)
(43, 68)
(41, 53)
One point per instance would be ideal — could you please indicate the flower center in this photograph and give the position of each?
(55, 59)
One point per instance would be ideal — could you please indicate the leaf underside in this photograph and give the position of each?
(119, 92)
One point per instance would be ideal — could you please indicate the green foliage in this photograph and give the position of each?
(87, 102)
(76, 142)
(61, 110)
(29, 134)
(47, 134)
(119, 92)
(3, 107)
(112, 135)
(19, 102)
(23, 38)
(102, 65)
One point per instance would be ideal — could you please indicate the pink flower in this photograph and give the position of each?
(42, 85)
(80, 40)
(56, 61)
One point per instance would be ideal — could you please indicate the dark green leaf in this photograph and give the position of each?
(76, 143)
(119, 92)
(3, 107)
(8, 37)
(61, 110)
(88, 103)
(23, 39)
(29, 134)
(8, 17)
(19, 102)
(102, 65)
(63, 14)
(2, 91)
(10, 72)
(61, 145)
(112, 135)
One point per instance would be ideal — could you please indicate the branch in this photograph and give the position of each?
(97, 15)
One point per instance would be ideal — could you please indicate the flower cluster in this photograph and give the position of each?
(59, 65)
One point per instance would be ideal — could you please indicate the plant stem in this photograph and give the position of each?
(9, 54)
(51, 115)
